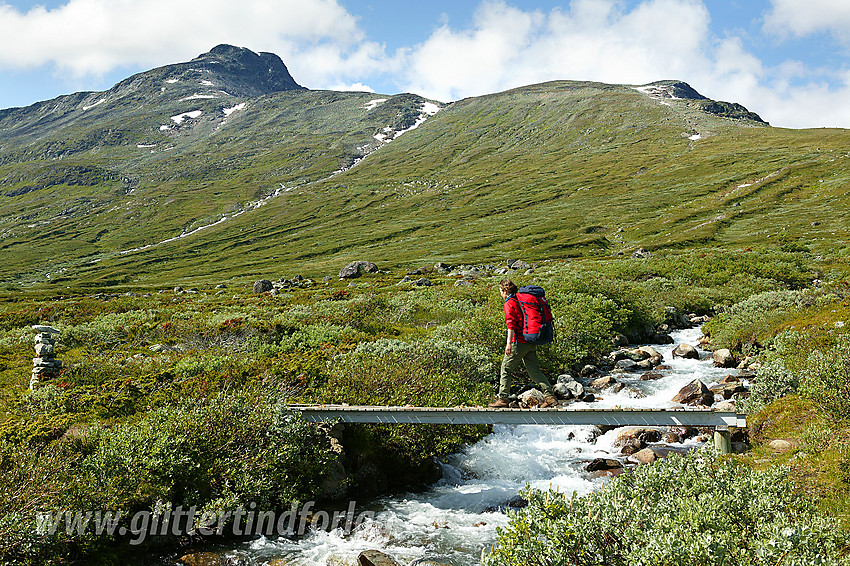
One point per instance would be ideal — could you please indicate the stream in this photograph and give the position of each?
(457, 517)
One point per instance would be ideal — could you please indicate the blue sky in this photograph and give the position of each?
(788, 60)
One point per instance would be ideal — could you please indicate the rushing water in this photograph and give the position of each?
(457, 517)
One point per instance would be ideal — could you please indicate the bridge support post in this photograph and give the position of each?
(723, 440)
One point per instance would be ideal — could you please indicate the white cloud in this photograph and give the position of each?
(352, 87)
(594, 40)
(92, 37)
(604, 40)
(802, 18)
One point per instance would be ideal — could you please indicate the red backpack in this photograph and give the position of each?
(538, 326)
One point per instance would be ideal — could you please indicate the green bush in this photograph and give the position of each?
(773, 381)
(685, 510)
(236, 448)
(392, 372)
(826, 380)
(747, 323)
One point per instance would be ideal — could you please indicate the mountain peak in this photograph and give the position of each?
(263, 72)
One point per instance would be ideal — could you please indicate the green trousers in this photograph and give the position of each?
(527, 354)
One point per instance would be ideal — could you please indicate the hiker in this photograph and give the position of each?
(518, 350)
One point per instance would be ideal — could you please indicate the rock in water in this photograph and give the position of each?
(603, 464)
(723, 358)
(645, 456)
(686, 351)
(694, 393)
(356, 269)
(375, 558)
(532, 397)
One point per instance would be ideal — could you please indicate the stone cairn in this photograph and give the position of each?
(45, 364)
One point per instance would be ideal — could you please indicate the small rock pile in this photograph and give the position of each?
(45, 364)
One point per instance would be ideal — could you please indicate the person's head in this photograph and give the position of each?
(507, 288)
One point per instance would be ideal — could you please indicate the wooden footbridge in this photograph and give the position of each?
(720, 421)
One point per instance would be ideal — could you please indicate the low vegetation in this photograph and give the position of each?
(154, 382)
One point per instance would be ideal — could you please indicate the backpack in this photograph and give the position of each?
(538, 326)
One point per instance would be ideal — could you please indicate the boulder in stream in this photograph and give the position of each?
(375, 558)
(694, 393)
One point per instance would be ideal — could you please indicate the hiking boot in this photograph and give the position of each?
(499, 404)
(549, 401)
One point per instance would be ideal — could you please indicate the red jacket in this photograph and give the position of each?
(513, 318)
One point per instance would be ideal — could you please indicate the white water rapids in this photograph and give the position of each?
(456, 518)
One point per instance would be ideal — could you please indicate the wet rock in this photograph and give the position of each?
(626, 364)
(588, 370)
(205, 559)
(603, 382)
(644, 435)
(517, 502)
(726, 390)
(651, 376)
(356, 269)
(603, 464)
(645, 364)
(723, 358)
(661, 338)
(645, 456)
(632, 446)
(686, 351)
(650, 352)
(532, 398)
(671, 438)
(375, 558)
(588, 398)
(262, 286)
(561, 391)
(695, 393)
(619, 340)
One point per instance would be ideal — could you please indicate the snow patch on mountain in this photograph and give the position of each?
(372, 104)
(426, 110)
(180, 117)
(232, 109)
(198, 96)
(98, 103)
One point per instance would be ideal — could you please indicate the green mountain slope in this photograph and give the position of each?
(554, 170)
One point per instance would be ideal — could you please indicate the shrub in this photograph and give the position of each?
(685, 510)
(773, 381)
(393, 372)
(752, 320)
(236, 448)
(826, 380)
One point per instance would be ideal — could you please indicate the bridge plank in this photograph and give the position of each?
(551, 416)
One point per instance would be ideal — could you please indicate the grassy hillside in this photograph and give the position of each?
(556, 170)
